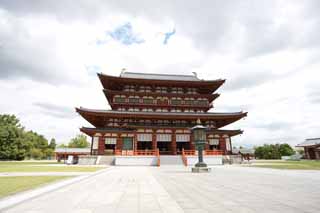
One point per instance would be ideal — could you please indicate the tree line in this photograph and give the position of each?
(17, 144)
(273, 151)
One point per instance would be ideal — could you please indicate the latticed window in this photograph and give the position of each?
(119, 99)
(188, 101)
(202, 102)
(145, 89)
(192, 91)
(134, 100)
(177, 90)
(129, 88)
(161, 89)
(147, 100)
(176, 101)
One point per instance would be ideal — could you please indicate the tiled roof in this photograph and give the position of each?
(310, 142)
(155, 76)
(72, 150)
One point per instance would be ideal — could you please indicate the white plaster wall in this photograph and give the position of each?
(209, 160)
(135, 161)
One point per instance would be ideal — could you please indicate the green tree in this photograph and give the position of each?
(80, 141)
(273, 151)
(286, 150)
(36, 154)
(52, 143)
(11, 138)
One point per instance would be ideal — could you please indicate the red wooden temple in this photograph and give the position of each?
(152, 112)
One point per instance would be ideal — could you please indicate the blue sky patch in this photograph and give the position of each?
(125, 35)
(168, 35)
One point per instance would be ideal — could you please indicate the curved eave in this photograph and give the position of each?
(116, 83)
(97, 117)
(231, 133)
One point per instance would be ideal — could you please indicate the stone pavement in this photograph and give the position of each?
(175, 189)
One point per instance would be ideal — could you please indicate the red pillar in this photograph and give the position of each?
(154, 141)
(119, 143)
(222, 144)
(135, 141)
(192, 146)
(101, 146)
(174, 143)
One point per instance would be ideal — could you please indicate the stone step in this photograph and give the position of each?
(171, 160)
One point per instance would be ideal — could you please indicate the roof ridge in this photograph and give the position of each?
(312, 138)
(159, 74)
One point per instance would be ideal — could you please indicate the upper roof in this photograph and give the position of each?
(310, 142)
(156, 76)
(145, 79)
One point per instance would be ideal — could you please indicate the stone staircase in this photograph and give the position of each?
(170, 160)
(105, 160)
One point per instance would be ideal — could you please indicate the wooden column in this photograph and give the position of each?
(206, 146)
(154, 140)
(135, 142)
(306, 152)
(222, 144)
(119, 142)
(192, 146)
(101, 146)
(173, 143)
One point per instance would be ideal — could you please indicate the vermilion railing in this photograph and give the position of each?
(205, 152)
(135, 152)
(213, 152)
(184, 158)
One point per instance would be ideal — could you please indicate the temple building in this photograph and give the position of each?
(156, 112)
(311, 148)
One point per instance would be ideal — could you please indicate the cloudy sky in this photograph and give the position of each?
(268, 51)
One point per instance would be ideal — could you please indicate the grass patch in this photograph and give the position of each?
(12, 185)
(29, 162)
(24, 168)
(27, 166)
(299, 165)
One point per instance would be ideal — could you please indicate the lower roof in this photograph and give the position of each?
(98, 118)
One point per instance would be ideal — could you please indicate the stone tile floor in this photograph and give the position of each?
(176, 189)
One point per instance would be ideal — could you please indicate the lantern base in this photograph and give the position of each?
(200, 164)
(201, 170)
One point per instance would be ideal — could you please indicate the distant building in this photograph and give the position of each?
(311, 148)
(155, 112)
(63, 153)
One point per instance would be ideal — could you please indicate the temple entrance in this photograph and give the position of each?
(164, 147)
(213, 147)
(127, 143)
(144, 145)
(182, 145)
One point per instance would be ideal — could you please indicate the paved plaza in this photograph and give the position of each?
(175, 189)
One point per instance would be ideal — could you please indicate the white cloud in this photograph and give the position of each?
(268, 51)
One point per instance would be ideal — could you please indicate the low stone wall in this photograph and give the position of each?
(135, 161)
(87, 160)
(209, 160)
